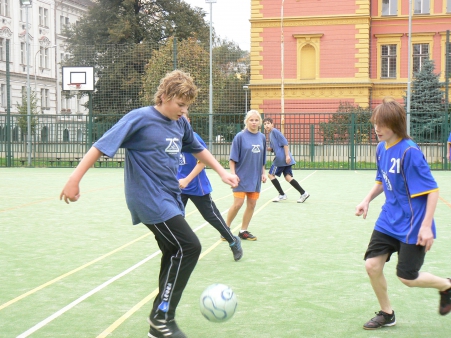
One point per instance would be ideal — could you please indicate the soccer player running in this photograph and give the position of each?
(196, 187)
(153, 138)
(405, 224)
(283, 161)
(247, 161)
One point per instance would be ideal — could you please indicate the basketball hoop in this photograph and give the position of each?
(74, 88)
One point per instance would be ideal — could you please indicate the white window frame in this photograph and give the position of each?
(44, 57)
(4, 7)
(389, 60)
(44, 99)
(3, 49)
(389, 9)
(419, 57)
(23, 53)
(3, 95)
(43, 17)
(422, 7)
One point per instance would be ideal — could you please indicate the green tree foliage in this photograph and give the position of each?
(427, 109)
(23, 111)
(230, 72)
(340, 126)
(117, 38)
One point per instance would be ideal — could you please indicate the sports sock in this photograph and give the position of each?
(296, 185)
(276, 184)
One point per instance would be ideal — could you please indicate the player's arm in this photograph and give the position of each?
(425, 235)
(71, 191)
(183, 182)
(362, 208)
(449, 148)
(287, 154)
(263, 174)
(206, 157)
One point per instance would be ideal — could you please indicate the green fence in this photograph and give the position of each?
(317, 140)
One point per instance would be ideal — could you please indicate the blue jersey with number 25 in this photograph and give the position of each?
(407, 181)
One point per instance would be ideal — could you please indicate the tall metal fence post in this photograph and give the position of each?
(8, 109)
(352, 129)
(312, 143)
(447, 70)
(89, 144)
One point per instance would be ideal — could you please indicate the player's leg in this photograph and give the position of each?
(410, 260)
(211, 214)
(184, 198)
(180, 252)
(378, 253)
(288, 174)
(251, 202)
(238, 200)
(273, 172)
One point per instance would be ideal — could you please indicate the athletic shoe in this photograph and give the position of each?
(445, 301)
(280, 198)
(160, 328)
(246, 235)
(382, 319)
(303, 197)
(236, 248)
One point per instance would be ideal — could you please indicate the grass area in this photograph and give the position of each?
(83, 270)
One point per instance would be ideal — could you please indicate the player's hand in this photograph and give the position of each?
(361, 209)
(231, 179)
(183, 183)
(269, 149)
(264, 178)
(71, 192)
(288, 160)
(425, 238)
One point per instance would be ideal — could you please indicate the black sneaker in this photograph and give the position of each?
(236, 248)
(445, 301)
(382, 319)
(160, 328)
(246, 235)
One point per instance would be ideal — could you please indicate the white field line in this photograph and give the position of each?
(140, 304)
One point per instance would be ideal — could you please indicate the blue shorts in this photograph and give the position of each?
(277, 171)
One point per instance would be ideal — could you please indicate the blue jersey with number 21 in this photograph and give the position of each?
(407, 181)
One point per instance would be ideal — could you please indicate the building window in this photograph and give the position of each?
(448, 6)
(23, 17)
(3, 49)
(419, 54)
(23, 53)
(64, 23)
(66, 135)
(4, 7)
(43, 16)
(45, 99)
(44, 57)
(388, 62)
(389, 7)
(3, 95)
(421, 7)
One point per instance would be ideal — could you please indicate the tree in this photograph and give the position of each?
(229, 76)
(338, 128)
(427, 107)
(23, 111)
(117, 38)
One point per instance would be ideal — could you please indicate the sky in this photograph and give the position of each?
(230, 19)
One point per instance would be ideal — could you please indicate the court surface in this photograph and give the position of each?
(82, 270)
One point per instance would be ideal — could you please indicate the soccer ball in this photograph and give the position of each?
(218, 303)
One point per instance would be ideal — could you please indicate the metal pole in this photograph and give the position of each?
(409, 66)
(28, 93)
(282, 85)
(210, 111)
(8, 108)
(246, 89)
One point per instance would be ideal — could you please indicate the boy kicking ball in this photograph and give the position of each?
(406, 224)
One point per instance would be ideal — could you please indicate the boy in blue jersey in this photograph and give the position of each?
(406, 224)
(196, 186)
(153, 138)
(283, 161)
(247, 161)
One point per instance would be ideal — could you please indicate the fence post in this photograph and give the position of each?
(312, 143)
(89, 144)
(8, 109)
(447, 70)
(352, 129)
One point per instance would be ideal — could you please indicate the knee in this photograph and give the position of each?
(407, 278)
(407, 282)
(288, 178)
(372, 268)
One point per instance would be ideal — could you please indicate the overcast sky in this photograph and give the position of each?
(230, 19)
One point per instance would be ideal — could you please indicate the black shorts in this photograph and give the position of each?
(410, 256)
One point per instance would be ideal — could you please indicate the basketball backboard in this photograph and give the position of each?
(78, 78)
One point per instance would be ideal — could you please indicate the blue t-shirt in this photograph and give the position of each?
(153, 144)
(277, 141)
(200, 185)
(249, 153)
(449, 141)
(407, 179)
